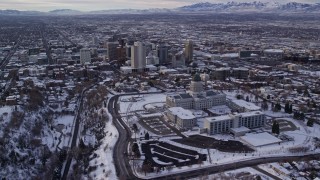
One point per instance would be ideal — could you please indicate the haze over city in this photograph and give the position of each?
(91, 5)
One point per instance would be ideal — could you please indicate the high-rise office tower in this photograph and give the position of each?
(112, 50)
(151, 59)
(138, 55)
(162, 53)
(121, 52)
(189, 51)
(85, 55)
(95, 40)
(178, 60)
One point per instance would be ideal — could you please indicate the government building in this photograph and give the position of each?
(196, 98)
(231, 122)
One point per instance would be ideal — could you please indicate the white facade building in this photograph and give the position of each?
(138, 55)
(223, 124)
(183, 118)
(196, 98)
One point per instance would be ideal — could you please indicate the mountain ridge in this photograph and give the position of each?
(255, 6)
(252, 6)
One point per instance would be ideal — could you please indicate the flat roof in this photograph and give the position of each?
(219, 118)
(248, 105)
(274, 51)
(240, 129)
(260, 139)
(252, 113)
(182, 113)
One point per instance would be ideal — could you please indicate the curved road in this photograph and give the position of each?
(120, 158)
(231, 166)
(75, 132)
(124, 170)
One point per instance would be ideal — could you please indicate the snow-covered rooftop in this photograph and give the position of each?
(219, 118)
(182, 113)
(260, 139)
(247, 105)
(252, 113)
(240, 129)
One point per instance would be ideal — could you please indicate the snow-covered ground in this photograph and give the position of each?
(141, 101)
(104, 160)
(61, 135)
(302, 137)
(245, 173)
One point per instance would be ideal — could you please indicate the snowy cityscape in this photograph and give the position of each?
(202, 91)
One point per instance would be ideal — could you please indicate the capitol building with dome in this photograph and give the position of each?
(196, 98)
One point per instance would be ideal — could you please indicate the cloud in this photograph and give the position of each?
(88, 5)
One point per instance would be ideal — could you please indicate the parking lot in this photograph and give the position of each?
(211, 143)
(162, 154)
(155, 125)
(283, 124)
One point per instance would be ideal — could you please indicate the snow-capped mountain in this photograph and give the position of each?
(65, 12)
(252, 6)
(17, 13)
(271, 6)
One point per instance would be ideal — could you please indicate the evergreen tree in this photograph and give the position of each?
(306, 92)
(310, 123)
(146, 136)
(290, 109)
(135, 150)
(247, 98)
(275, 127)
(147, 166)
(277, 107)
(302, 116)
(287, 107)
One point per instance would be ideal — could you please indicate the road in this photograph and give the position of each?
(6, 60)
(124, 170)
(45, 43)
(231, 166)
(266, 173)
(121, 160)
(75, 132)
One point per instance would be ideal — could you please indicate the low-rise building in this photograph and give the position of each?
(223, 124)
(182, 118)
(196, 98)
(242, 106)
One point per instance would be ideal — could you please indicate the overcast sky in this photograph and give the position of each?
(88, 5)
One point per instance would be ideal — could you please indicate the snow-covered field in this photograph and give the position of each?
(104, 160)
(61, 135)
(302, 137)
(141, 101)
(245, 173)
